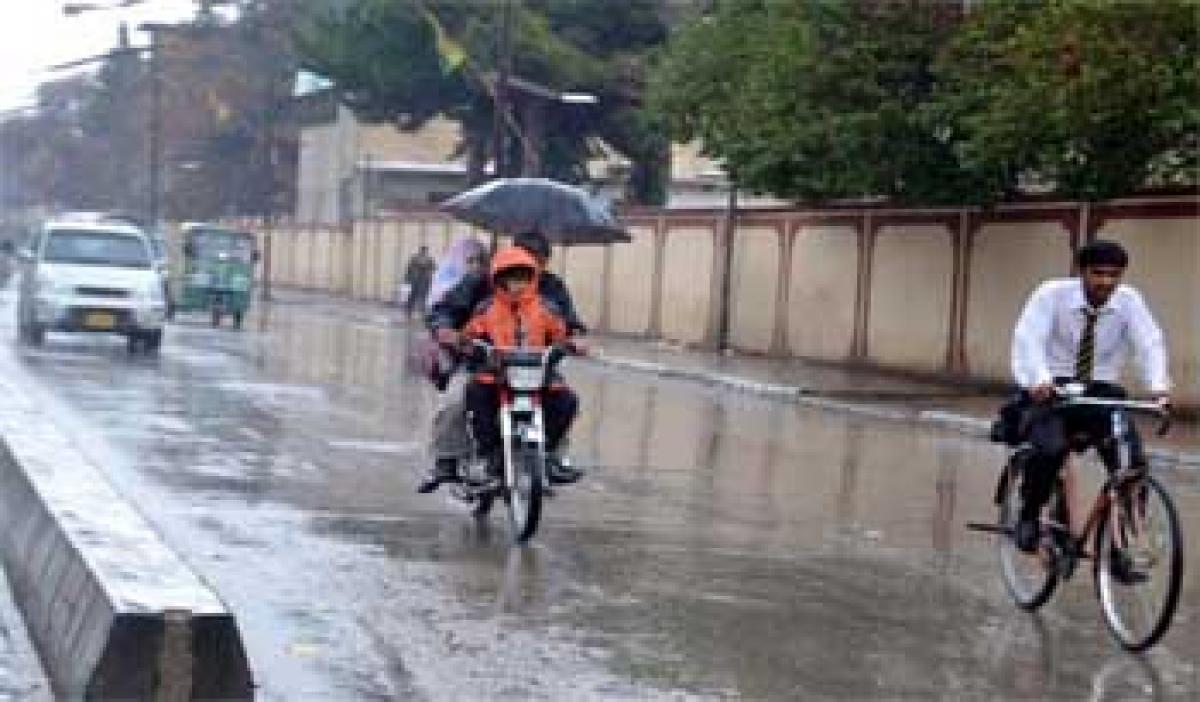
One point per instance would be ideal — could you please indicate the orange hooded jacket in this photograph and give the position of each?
(497, 319)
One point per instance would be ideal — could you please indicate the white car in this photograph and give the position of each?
(92, 276)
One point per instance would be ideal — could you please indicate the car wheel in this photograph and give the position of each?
(153, 341)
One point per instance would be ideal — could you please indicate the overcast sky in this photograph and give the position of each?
(35, 34)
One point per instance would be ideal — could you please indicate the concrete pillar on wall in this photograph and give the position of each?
(787, 240)
(721, 295)
(969, 224)
(959, 241)
(660, 245)
(867, 234)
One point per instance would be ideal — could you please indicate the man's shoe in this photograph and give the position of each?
(1123, 570)
(445, 470)
(560, 472)
(1026, 535)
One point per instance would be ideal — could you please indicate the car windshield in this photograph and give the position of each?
(214, 243)
(90, 248)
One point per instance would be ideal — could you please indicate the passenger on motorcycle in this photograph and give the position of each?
(516, 316)
(448, 314)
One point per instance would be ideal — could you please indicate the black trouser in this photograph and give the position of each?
(417, 295)
(559, 407)
(1050, 432)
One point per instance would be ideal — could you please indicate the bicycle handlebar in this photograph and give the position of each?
(1150, 409)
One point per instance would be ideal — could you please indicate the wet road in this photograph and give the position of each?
(722, 546)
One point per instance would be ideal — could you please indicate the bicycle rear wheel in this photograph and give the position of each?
(1139, 564)
(1030, 578)
(525, 495)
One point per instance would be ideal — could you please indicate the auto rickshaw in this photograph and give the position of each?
(218, 272)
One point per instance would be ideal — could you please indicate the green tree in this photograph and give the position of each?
(1092, 98)
(407, 61)
(817, 100)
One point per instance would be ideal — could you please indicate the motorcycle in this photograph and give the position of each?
(523, 376)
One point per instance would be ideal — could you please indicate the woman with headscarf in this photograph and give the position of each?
(450, 441)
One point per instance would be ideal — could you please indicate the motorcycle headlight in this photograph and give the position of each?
(525, 378)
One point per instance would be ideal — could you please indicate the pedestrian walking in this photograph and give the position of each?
(418, 276)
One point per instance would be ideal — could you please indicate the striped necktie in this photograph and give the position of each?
(1085, 359)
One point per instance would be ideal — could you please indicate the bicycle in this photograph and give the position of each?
(1133, 527)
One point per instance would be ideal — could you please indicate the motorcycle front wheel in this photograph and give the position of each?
(524, 496)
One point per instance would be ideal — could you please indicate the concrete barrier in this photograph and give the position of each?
(112, 610)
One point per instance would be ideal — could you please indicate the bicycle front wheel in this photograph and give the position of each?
(525, 495)
(1030, 578)
(1139, 564)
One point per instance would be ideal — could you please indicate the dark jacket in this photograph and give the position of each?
(455, 308)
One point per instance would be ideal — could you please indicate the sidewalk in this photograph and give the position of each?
(857, 391)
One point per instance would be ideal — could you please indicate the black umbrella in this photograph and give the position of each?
(565, 214)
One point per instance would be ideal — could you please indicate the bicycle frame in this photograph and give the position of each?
(1106, 501)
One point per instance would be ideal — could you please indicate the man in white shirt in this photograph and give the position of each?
(1080, 330)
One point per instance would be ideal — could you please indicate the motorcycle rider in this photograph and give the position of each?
(450, 313)
(516, 316)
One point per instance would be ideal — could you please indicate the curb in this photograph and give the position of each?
(112, 611)
(967, 424)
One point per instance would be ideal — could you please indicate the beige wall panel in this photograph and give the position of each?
(360, 281)
(374, 262)
(1165, 267)
(823, 292)
(1007, 262)
(910, 297)
(328, 261)
(287, 255)
(409, 240)
(754, 288)
(687, 283)
(389, 250)
(284, 247)
(585, 277)
(331, 266)
(317, 236)
(632, 290)
(306, 257)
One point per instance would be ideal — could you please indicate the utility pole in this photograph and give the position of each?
(503, 70)
(156, 125)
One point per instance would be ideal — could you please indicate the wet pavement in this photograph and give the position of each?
(722, 546)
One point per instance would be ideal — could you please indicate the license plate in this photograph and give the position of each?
(99, 320)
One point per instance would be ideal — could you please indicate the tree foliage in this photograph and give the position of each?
(1095, 98)
(914, 102)
(226, 148)
(389, 63)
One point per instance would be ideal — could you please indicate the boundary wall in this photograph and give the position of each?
(922, 291)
